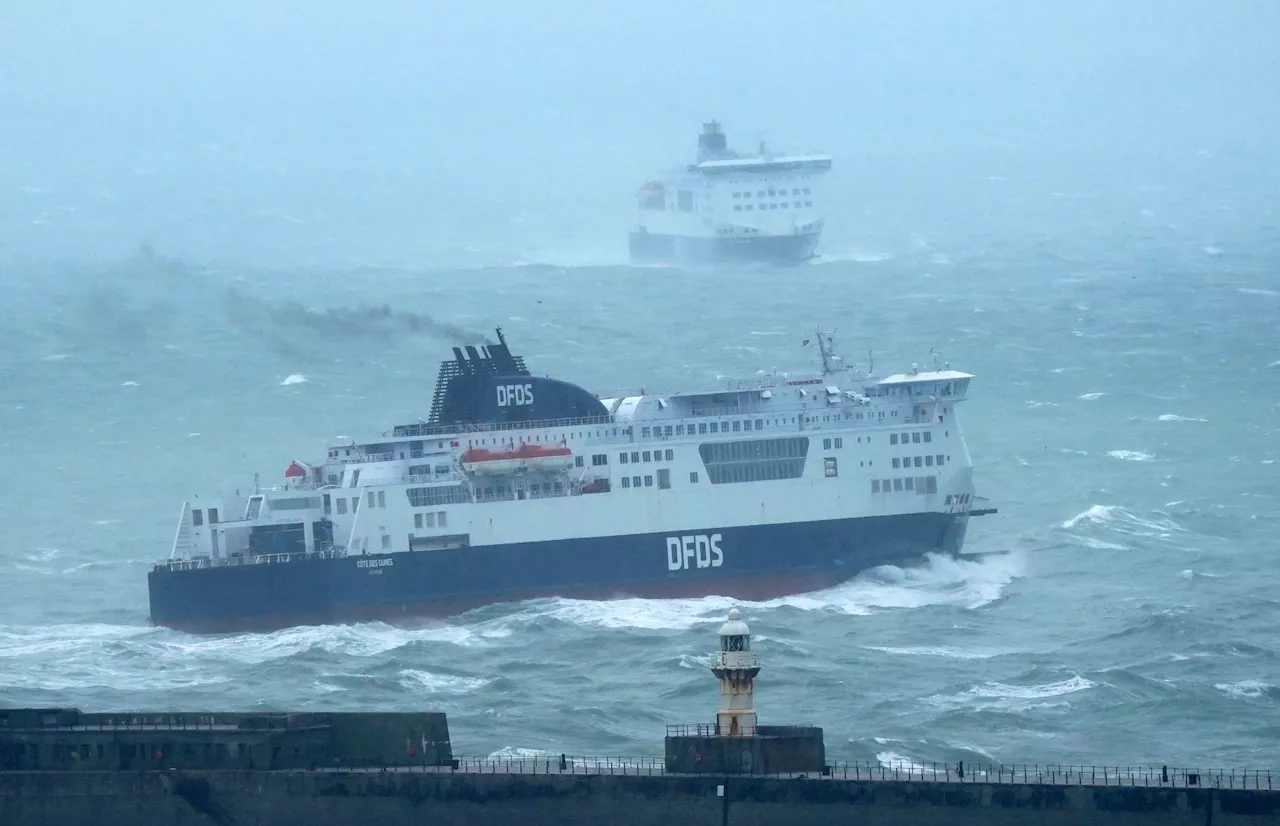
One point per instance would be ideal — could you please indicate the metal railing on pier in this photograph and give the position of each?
(872, 771)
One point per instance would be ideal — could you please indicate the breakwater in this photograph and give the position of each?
(560, 790)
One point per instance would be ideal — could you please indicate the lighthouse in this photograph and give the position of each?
(735, 744)
(736, 667)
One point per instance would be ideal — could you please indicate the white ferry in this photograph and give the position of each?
(726, 206)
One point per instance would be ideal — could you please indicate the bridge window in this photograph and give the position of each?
(755, 460)
(600, 459)
(577, 461)
(197, 517)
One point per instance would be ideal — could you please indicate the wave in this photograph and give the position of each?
(1130, 455)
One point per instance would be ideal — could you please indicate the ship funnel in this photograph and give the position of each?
(712, 142)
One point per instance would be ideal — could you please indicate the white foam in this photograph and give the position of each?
(1245, 689)
(1258, 291)
(1130, 455)
(1174, 417)
(1119, 519)
(932, 651)
(415, 680)
(294, 378)
(129, 384)
(1088, 397)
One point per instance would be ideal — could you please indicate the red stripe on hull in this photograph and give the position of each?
(748, 589)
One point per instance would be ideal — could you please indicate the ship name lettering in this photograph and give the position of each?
(514, 395)
(375, 563)
(694, 551)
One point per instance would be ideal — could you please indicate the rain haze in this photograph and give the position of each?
(231, 232)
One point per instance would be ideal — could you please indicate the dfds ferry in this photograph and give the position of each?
(518, 487)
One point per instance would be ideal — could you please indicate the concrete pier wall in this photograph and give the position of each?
(319, 798)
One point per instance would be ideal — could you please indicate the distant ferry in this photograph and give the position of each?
(520, 486)
(731, 207)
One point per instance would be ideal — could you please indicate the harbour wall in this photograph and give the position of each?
(556, 798)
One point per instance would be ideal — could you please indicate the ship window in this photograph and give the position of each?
(928, 437)
(715, 427)
(897, 484)
(666, 431)
(647, 454)
(893, 438)
(635, 481)
(759, 424)
(915, 437)
(622, 458)
(907, 484)
(635, 457)
(599, 459)
(417, 521)
(737, 207)
(693, 477)
(773, 206)
(746, 424)
(670, 454)
(684, 198)
(875, 485)
(806, 190)
(664, 478)
(342, 505)
(328, 505)
(931, 484)
(644, 432)
(213, 516)
(370, 494)
(829, 466)
(896, 463)
(755, 460)
(442, 495)
(430, 519)
(577, 461)
(382, 498)
(197, 518)
(937, 460)
(928, 461)
(760, 194)
(748, 208)
(808, 203)
(386, 542)
(737, 194)
(826, 444)
(648, 481)
(918, 463)
(679, 430)
(440, 519)
(839, 443)
(737, 425)
(626, 481)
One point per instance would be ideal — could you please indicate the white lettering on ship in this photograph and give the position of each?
(699, 549)
(512, 395)
(374, 563)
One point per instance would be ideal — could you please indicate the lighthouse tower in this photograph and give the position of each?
(736, 668)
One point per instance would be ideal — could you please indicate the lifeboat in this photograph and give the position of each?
(525, 458)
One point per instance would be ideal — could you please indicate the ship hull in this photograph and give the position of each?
(648, 247)
(751, 563)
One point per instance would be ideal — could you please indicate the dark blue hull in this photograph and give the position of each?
(649, 247)
(751, 563)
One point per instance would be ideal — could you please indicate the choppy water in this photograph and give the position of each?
(1124, 420)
